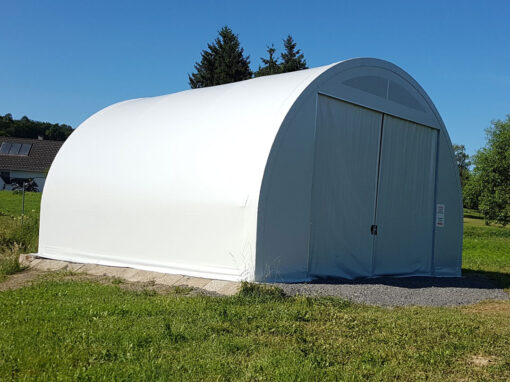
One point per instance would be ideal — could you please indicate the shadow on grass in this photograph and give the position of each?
(470, 279)
(500, 279)
(472, 216)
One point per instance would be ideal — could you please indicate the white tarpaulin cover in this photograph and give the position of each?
(332, 171)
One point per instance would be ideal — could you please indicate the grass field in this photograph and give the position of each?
(487, 250)
(60, 329)
(16, 237)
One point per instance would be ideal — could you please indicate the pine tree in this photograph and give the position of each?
(292, 59)
(222, 63)
(271, 65)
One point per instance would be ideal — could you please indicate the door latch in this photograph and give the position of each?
(373, 229)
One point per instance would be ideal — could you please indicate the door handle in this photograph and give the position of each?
(373, 229)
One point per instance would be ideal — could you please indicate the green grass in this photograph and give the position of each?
(472, 214)
(67, 330)
(17, 234)
(10, 203)
(60, 329)
(486, 250)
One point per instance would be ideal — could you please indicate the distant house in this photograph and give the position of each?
(22, 160)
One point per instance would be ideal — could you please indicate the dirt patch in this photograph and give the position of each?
(497, 308)
(19, 280)
(31, 276)
(133, 286)
(481, 361)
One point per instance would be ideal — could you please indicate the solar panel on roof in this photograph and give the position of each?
(14, 148)
(4, 149)
(25, 149)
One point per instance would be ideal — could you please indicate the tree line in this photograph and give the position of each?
(486, 186)
(27, 128)
(224, 61)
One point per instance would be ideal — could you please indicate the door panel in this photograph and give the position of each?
(405, 201)
(343, 191)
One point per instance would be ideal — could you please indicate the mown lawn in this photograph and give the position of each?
(58, 329)
(486, 250)
(86, 331)
(10, 203)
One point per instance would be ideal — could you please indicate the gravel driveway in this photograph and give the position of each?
(389, 291)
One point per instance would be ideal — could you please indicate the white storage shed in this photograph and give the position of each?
(344, 170)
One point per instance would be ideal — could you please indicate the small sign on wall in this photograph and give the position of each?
(440, 212)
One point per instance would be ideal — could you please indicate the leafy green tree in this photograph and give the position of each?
(463, 163)
(491, 174)
(271, 65)
(292, 58)
(223, 62)
(27, 128)
(471, 192)
(57, 133)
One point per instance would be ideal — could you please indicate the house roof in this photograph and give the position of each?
(39, 158)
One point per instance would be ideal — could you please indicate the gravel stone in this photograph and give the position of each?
(405, 291)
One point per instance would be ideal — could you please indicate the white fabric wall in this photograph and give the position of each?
(405, 205)
(284, 211)
(344, 188)
(285, 240)
(448, 239)
(198, 157)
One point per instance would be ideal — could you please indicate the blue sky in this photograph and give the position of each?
(61, 61)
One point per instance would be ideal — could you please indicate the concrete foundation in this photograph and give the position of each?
(226, 288)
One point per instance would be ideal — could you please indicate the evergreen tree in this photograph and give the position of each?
(271, 65)
(223, 62)
(292, 59)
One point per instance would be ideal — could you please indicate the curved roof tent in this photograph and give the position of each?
(344, 170)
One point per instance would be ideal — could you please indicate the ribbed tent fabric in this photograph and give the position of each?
(344, 170)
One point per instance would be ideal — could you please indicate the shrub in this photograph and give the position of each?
(9, 260)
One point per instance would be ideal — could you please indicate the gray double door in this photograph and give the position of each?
(372, 193)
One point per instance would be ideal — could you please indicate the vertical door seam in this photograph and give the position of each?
(433, 253)
(374, 239)
(310, 215)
